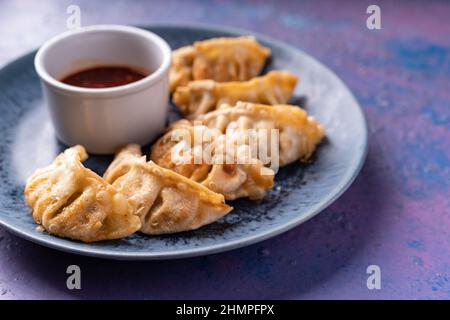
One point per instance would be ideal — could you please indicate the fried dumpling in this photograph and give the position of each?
(71, 201)
(219, 59)
(181, 70)
(202, 96)
(299, 133)
(164, 150)
(227, 167)
(165, 201)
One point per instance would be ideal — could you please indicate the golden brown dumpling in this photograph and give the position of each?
(219, 59)
(299, 133)
(162, 151)
(235, 178)
(181, 70)
(71, 201)
(165, 201)
(199, 97)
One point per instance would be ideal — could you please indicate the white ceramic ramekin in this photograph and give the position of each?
(102, 119)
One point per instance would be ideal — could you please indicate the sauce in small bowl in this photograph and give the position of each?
(104, 77)
(96, 91)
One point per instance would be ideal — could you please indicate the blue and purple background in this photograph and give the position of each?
(395, 215)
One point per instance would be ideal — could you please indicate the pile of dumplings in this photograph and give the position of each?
(216, 85)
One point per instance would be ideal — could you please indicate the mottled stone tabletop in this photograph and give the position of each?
(396, 214)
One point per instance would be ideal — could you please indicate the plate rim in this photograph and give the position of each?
(343, 185)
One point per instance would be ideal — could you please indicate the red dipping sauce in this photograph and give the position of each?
(104, 77)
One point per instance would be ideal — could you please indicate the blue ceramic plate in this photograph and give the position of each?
(301, 191)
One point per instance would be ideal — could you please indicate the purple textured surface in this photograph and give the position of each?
(396, 214)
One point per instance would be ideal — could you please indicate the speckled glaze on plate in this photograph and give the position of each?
(27, 142)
